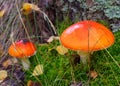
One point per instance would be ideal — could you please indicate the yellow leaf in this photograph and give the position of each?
(61, 50)
(38, 70)
(2, 12)
(3, 75)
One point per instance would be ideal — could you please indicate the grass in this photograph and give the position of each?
(62, 70)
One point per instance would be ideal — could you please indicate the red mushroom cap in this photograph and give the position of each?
(87, 36)
(22, 49)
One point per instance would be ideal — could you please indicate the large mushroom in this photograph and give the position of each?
(22, 49)
(86, 37)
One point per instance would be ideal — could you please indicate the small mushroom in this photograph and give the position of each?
(22, 49)
(86, 37)
(27, 8)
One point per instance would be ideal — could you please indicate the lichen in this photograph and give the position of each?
(112, 12)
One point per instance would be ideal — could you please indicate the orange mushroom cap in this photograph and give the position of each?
(22, 49)
(87, 36)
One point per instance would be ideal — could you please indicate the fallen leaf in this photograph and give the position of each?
(8, 62)
(31, 83)
(2, 12)
(3, 75)
(61, 50)
(51, 38)
(1, 49)
(38, 70)
(93, 74)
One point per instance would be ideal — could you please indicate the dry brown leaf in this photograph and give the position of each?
(3, 75)
(38, 70)
(1, 49)
(9, 62)
(61, 50)
(93, 74)
(2, 12)
(31, 83)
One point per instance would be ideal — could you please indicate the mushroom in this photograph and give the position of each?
(22, 49)
(27, 8)
(86, 37)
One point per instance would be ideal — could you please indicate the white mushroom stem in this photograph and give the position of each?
(25, 63)
(84, 56)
